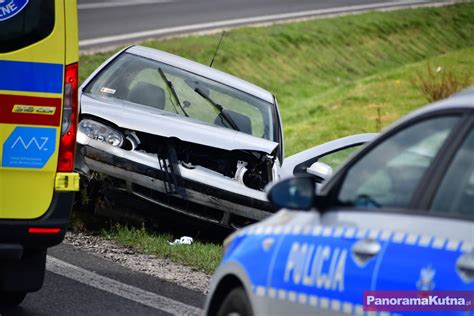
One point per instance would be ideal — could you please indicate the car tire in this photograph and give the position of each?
(236, 303)
(8, 299)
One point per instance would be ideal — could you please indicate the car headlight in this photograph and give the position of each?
(101, 132)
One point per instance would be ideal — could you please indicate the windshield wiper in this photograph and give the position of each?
(219, 107)
(173, 92)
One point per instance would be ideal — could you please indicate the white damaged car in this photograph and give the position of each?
(188, 137)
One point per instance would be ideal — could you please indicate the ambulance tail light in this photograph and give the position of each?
(44, 230)
(67, 144)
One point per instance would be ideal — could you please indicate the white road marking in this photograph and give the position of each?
(242, 21)
(120, 289)
(103, 5)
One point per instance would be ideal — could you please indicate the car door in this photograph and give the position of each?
(380, 191)
(332, 153)
(323, 266)
(435, 252)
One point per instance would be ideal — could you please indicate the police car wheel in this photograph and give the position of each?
(236, 303)
(11, 299)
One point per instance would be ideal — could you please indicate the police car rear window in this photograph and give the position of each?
(24, 22)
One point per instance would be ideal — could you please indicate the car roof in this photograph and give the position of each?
(202, 70)
(460, 100)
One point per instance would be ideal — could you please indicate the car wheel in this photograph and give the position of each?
(8, 299)
(236, 303)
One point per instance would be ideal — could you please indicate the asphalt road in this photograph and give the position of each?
(78, 283)
(105, 23)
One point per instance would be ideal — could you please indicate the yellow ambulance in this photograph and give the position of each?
(38, 122)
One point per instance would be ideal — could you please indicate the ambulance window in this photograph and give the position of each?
(23, 22)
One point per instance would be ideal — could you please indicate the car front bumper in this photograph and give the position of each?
(208, 195)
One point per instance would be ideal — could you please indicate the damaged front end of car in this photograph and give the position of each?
(213, 184)
(175, 145)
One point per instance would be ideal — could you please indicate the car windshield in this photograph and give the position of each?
(151, 83)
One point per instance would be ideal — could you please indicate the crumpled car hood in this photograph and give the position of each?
(137, 117)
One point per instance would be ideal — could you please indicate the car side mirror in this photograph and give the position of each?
(293, 193)
(320, 170)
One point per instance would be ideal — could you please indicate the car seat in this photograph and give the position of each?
(242, 121)
(147, 94)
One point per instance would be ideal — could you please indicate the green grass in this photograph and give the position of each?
(332, 77)
(201, 256)
(355, 108)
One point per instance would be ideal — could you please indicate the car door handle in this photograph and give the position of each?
(364, 250)
(465, 266)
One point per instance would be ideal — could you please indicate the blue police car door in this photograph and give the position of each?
(323, 266)
(435, 252)
(416, 251)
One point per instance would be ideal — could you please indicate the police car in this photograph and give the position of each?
(398, 216)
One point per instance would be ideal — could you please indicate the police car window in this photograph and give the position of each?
(24, 22)
(456, 193)
(389, 174)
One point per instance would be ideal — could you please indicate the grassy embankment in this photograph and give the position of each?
(332, 77)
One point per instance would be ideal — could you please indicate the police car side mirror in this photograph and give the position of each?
(294, 193)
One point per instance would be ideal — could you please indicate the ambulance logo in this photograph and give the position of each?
(40, 145)
(29, 147)
(10, 8)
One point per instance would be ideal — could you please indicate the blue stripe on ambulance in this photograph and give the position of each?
(31, 77)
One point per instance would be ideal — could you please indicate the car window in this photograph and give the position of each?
(335, 159)
(23, 23)
(456, 193)
(138, 79)
(390, 173)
